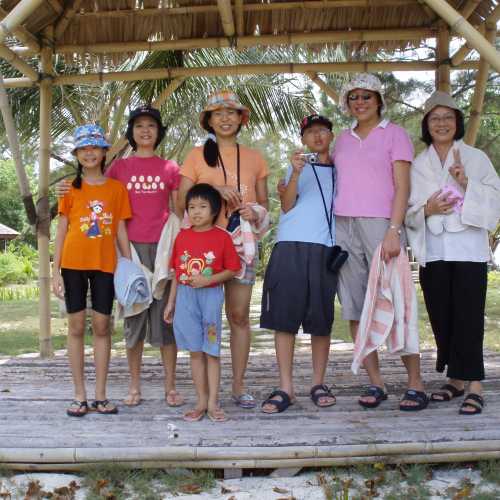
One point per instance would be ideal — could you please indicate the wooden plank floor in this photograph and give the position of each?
(34, 395)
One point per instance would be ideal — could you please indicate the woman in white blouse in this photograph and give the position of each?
(454, 202)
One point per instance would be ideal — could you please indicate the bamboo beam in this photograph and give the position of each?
(464, 28)
(23, 35)
(56, 6)
(66, 18)
(157, 103)
(443, 81)
(251, 41)
(479, 91)
(334, 96)
(226, 17)
(246, 69)
(17, 16)
(238, 14)
(465, 50)
(43, 208)
(469, 7)
(247, 7)
(18, 63)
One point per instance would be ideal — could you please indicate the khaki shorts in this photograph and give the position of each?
(360, 236)
(149, 325)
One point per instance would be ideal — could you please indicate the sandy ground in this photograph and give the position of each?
(445, 483)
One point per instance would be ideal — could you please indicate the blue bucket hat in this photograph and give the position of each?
(89, 135)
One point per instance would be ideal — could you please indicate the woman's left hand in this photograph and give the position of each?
(457, 170)
(248, 213)
(391, 245)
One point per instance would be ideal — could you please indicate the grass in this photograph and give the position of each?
(19, 325)
(145, 484)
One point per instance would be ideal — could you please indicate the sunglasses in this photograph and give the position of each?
(355, 97)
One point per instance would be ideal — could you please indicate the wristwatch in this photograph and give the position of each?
(396, 228)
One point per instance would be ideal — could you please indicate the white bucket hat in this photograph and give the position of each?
(365, 81)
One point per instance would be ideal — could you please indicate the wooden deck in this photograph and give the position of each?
(36, 434)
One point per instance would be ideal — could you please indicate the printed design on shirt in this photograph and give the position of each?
(234, 182)
(97, 223)
(145, 184)
(212, 333)
(193, 266)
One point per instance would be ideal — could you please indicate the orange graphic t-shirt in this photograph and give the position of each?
(93, 214)
(253, 167)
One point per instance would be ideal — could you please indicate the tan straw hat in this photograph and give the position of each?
(440, 98)
(225, 99)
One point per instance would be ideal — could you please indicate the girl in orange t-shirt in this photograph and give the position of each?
(91, 222)
(240, 175)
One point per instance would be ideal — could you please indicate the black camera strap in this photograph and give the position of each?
(221, 163)
(329, 216)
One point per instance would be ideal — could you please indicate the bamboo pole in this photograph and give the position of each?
(247, 69)
(479, 91)
(464, 28)
(465, 50)
(247, 7)
(17, 16)
(18, 63)
(43, 227)
(443, 81)
(334, 96)
(240, 20)
(68, 14)
(226, 17)
(251, 457)
(13, 140)
(157, 103)
(23, 35)
(56, 6)
(251, 41)
(469, 7)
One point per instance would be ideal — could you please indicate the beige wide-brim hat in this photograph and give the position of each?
(365, 81)
(440, 98)
(225, 99)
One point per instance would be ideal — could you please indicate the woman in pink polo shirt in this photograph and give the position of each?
(373, 161)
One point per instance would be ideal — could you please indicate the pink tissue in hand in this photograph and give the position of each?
(453, 194)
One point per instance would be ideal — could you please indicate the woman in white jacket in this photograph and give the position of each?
(454, 202)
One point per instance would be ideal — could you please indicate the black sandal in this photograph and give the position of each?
(419, 397)
(477, 408)
(279, 405)
(376, 392)
(322, 391)
(103, 405)
(445, 392)
(80, 408)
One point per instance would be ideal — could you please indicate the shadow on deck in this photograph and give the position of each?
(36, 434)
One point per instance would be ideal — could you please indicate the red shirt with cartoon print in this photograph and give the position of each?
(203, 252)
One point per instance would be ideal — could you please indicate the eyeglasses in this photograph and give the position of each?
(355, 97)
(319, 131)
(435, 119)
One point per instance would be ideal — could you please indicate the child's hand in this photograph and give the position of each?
(199, 281)
(168, 313)
(58, 285)
(298, 162)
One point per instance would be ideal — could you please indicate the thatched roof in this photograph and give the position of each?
(7, 233)
(118, 22)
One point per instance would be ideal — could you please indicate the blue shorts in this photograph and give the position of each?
(198, 319)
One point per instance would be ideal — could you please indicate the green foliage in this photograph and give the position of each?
(14, 269)
(19, 293)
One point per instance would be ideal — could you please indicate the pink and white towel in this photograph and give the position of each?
(389, 313)
(246, 235)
